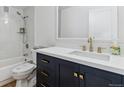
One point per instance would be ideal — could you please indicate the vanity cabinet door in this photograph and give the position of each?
(68, 74)
(98, 78)
(46, 71)
(123, 81)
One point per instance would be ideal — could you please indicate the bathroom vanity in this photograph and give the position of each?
(57, 67)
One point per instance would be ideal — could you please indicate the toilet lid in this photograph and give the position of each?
(23, 68)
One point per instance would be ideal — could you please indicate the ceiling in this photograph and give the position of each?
(20, 7)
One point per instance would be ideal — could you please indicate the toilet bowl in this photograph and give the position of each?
(21, 73)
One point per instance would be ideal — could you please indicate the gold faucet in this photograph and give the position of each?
(90, 41)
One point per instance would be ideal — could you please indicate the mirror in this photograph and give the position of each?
(73, 22)
(82, 21)
(103, 23)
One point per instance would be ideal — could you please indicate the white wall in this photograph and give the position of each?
(40, 27)
(29, 11)
(44, 26)
(10, 40)
(121, 23)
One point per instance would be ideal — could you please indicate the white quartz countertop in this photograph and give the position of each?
(115, 64)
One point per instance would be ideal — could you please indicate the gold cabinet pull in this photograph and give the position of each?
(42, 85)
(44, 61)
(44, 73)
(81, 77)
(75, 74)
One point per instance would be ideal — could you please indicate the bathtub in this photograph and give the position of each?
(5, 69)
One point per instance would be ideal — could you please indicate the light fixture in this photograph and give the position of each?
(6, 11)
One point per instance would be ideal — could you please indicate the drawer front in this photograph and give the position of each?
(47, 77)
(45, 61)
(42, 78)
(46, 71)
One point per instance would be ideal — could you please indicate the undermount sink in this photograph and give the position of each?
(103, 57)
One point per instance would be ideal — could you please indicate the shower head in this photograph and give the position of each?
(23, 17)
(18, 13)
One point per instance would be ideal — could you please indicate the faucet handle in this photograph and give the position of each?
(83, 48)
(99, 49)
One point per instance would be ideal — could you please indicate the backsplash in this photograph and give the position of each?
(74, 43)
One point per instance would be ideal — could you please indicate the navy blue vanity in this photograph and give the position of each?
(55, 72)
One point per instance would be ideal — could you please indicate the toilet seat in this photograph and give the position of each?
(21, 74)
(23, 68)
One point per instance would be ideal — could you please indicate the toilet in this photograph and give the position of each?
(25, 74)
(21, 74)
